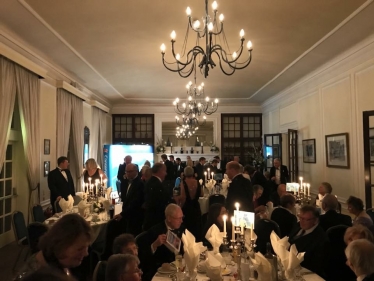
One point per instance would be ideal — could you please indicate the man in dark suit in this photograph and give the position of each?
(170, 174)
(283, 215)
(257, 178)
(157, 197)
(331, 217)
(360, 258)
(155, 249)
(60, 182)
(179, 167)
(310, 238)
(276, 195)
(199, 169)
(240, 189)
(122, 169)
(132, 197)
(279, 173)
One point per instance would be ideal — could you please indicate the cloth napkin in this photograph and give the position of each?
(210, 184)
(215, 237)
(213, 267)
(262, 266)
(70, 202)
(82, 206)
(106, 204)
(294, 260)
(64, 205)
(192, 250)
(247, 235)
(108, 192)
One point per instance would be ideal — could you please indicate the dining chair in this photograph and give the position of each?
(263, 229)
(57, 207)
(20, 233)
(77, 199)
(99, 272)
(370, 212)
(37, 213)
(216, 198)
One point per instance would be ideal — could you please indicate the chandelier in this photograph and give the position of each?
(185, 131)
(228, 61)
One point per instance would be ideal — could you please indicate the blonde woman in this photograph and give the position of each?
(93, 172)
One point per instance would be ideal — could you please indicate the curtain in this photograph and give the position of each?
(102, 135)
(28, 93)
(7, 98)
(77, 139)
(63, 122)
(94, 133)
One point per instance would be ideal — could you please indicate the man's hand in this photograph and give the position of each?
(117, 217)
(58, 198)
(161, 239)
(273, 178)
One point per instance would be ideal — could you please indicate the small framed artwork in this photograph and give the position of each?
(371, 144)
(309, 151)
(47, 146)
(47, 166)
(337, 150)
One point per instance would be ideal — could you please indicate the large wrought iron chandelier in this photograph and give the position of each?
(229, 62)
(185, 131)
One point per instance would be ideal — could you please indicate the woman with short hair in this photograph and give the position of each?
(123, 267)
(356, 207)
(360, 258)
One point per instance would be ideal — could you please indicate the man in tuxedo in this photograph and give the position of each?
(257, 178)
(199, 169)
(132, 197)
(276, 195)
(310, 238)
(122, 169)
(360, 258)
(170, 175)
(157, 197)
(60, 182)
(283, 215)
(155, 250)
(240, 189)
(331, 217)
(279, 173)
(179, 167)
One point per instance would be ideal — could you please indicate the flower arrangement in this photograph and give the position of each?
(213, 147)
(98, 207)
(257, 157)
(160, 148)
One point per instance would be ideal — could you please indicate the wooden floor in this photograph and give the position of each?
(8, 257)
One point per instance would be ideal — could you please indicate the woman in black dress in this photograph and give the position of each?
(215, 216)
(189, 201)
(93, 173)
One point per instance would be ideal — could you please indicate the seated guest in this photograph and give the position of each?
(215, 214)
(275, 196)
(155, 250)
(331, 216)
(123, 267)
(283, 215)
(360, 258)
(63, 247)
(46, 274)
(125, 244)
(257, 177)
(257, 204)
(356, 207)
(323, 189)
(358, 232)
(310, 238)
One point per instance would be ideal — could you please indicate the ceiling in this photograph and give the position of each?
(112, 48)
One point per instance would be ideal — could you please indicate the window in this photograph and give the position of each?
(133, 128)
(86, 147)
(6, 191)
(240, 134)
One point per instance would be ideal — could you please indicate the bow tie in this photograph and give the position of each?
(175, 231)
(63, 170)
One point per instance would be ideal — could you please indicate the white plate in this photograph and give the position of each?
(161, 271)
(225, 271)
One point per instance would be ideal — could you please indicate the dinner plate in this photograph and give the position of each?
(225, 271)
(162, 271)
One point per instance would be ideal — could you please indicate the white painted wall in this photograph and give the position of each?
(329, 101)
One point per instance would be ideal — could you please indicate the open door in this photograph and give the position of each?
(368, 131)
(293, 156)
(272, 148)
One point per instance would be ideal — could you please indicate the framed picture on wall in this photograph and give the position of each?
(337, 150)
(371, 144)
(47, 166)
(309, 151)
(47, 146)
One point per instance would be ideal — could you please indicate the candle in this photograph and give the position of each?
(242, 227)
(212, 175)
(224, 217)
(205, 176)
(304, 188)
(297, 189)
(308, 188)
(101, 179)
(252, 231)
(89, 180)
(201, 144)
(171, 144)
(237, 206)
(91, 189)
(301, 182)
(208, 172)
(233, 228)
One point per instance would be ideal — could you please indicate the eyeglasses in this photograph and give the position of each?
(306, 219)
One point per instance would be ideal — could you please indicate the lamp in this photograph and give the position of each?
(213, 32)
(185, 131)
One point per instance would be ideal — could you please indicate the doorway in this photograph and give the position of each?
(368, 136)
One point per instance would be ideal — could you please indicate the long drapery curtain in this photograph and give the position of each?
(7, 98)
(63, 122)
(102, 135)
(97, 136)
(28, 93)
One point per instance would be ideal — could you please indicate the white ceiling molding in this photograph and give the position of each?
(71, 89)
(21, 60)
(99, 105)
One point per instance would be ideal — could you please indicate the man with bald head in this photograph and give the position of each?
(240, 189)
(276, 195)
(331, 216)
(132, 197)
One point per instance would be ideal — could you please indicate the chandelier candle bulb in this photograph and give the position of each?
(188, 11)
(173, 35)
(233, 228)
(221, 17)
(241, 33)
(224, 217)
(162, 48)
(214, 5)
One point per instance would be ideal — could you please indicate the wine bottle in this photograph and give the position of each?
(273, 262)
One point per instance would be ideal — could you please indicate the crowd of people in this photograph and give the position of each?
(150, 210)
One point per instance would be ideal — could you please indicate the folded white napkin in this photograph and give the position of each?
(293, 261)
(247, 235)
(192, 250)
(82, 207)
(225, 184)
(64, 205)
(108, 192)
(213, 267)
(70, 202)
(262, 266)
(215, 237)
(106, 204)
(210, 184)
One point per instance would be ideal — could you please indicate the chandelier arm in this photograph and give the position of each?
(190, 55)
(178, 111)
(218, 32)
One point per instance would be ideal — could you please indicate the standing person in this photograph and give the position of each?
(199, 169)
(170, 177)
(122, 168)
(60, 182)
(189, 200)
(240, 189)
(279, 173)
(156, 197)
(132, 197)
(179, 167)
(93, 172)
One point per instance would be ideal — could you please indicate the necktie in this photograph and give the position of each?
(128, 188)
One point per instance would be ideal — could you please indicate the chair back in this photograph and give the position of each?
(19, 228)
(370, 212)
(99, 272)
(35, 230)
(216, 198)
(113, 229)
(263, 229)
(38, 213)
(77, 199)
(143, 246)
